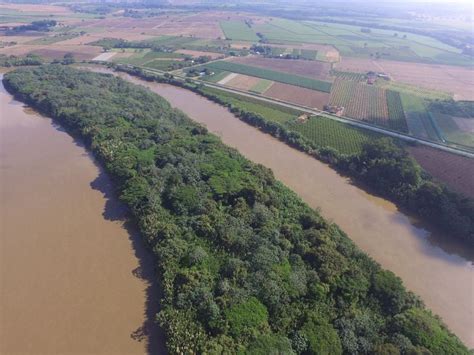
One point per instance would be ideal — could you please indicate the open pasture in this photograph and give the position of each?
(350, 40)
(311, 69)
(298, 95)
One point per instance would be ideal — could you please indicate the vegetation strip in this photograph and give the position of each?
(272, 75)
(245, 265)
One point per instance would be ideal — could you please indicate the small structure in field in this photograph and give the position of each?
(335, 110)
(371, 78)
(303, 118)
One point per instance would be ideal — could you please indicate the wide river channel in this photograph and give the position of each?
(74, 278)
(66, 267)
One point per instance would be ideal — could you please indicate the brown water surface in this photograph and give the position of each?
(430, 264)
(73, 278)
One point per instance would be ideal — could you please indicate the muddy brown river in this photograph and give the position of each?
(73, 278)
(49, 238)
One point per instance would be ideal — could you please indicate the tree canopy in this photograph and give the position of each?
(245, 265)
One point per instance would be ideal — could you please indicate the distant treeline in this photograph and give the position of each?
(14, 61)
(382, 165)
(453, 108)
(245, 265)
(38, 26)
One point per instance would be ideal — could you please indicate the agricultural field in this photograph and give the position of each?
(322, 131)
(351, 41)
(241, 82)
(456, 80)
(418, 118)
(194, 53)
(360, 101)
(454, 170)
(262, 86)
(238, 30)
(271, 75)
(312, 69)
(396, 115)
(298, 95)
(344, 75)
(456, 130)
(149, 58)
(326, 132)
(53, 39)
(216, 76)
(269, 111)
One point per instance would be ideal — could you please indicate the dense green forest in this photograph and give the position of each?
(245, 265)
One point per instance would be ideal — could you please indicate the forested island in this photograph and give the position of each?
(245, 265)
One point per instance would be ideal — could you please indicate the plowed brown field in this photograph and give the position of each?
(298, 95)
(455, 171)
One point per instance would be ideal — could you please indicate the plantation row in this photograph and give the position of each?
(348, 75)
(360, 101)
(369, 103)
(271, 75)
(397, 120)
(325, 132)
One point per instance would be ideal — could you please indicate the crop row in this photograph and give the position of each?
(272, 75)
(326, 132)
(348, 75)
(360, 101)
(396, 115)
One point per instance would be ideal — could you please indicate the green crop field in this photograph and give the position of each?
(450, 130)
(262, 86)
(360, 101)
(348, 75)
(417, 117)
(238, 30)
(397, 120)
(308, 54)
(326, 132)
(272, 75)
(271, 112)
(351, 41)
